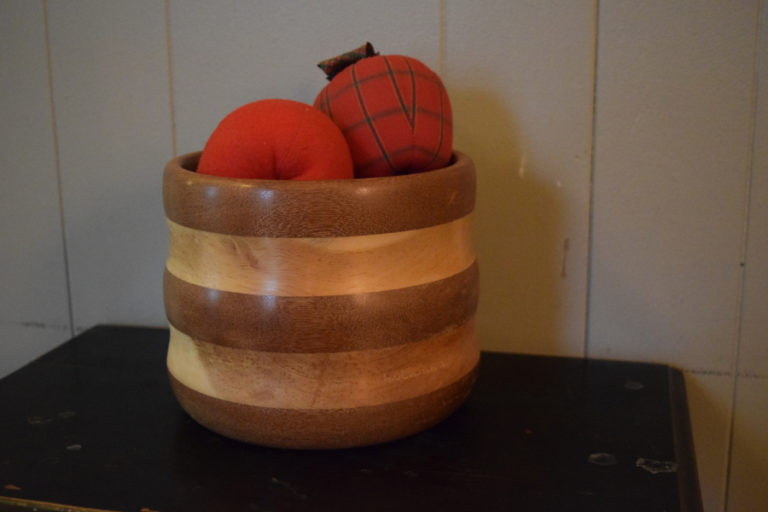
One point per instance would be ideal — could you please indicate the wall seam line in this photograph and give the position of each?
(736, 353)
(169, 56)
(57, 165)
(442, 34)
(591, 191)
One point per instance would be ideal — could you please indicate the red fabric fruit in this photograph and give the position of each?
(393, 110)
(277, 139)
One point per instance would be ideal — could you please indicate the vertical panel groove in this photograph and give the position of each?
(172, 106)
(590, 192)
(57, 164)
(744, 245)
(442, 36)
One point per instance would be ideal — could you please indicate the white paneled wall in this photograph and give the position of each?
(110, 84)
(229, 52)
(520, 75)
(673, 143)
(621, 146)
(34, 313)
(749, 467)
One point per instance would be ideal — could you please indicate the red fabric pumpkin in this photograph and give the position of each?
(394, 112)
(277, 139)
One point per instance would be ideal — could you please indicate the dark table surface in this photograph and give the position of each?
(93, 424)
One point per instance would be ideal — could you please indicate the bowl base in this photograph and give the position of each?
(323, 428)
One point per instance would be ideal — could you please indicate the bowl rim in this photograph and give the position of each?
(337, 207)
(187, 163)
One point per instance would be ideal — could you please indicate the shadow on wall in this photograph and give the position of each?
(709, 424)
(517, 224)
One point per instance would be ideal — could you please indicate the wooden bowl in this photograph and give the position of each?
(320, 314)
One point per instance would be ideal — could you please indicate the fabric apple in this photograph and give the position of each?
(277, 139)
(393, 110)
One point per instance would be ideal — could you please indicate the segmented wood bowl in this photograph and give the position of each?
(320, 314)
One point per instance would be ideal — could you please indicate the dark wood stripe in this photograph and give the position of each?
(325, 208)
(321, 324)
(323, 428)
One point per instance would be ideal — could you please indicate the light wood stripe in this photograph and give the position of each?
(324, 428)
(323, 380)
(22, 504)
(320, 266)
(318, 208)
(324, 323)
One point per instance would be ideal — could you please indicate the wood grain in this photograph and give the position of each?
(324, 428)
(323, 380)
(322, 313)
(321, 323)
(324, 208)
(320, 266)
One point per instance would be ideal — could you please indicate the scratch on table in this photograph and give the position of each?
(656, 466)
(39, 420)
(288, 487)
(602, 459)
(633, 385)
